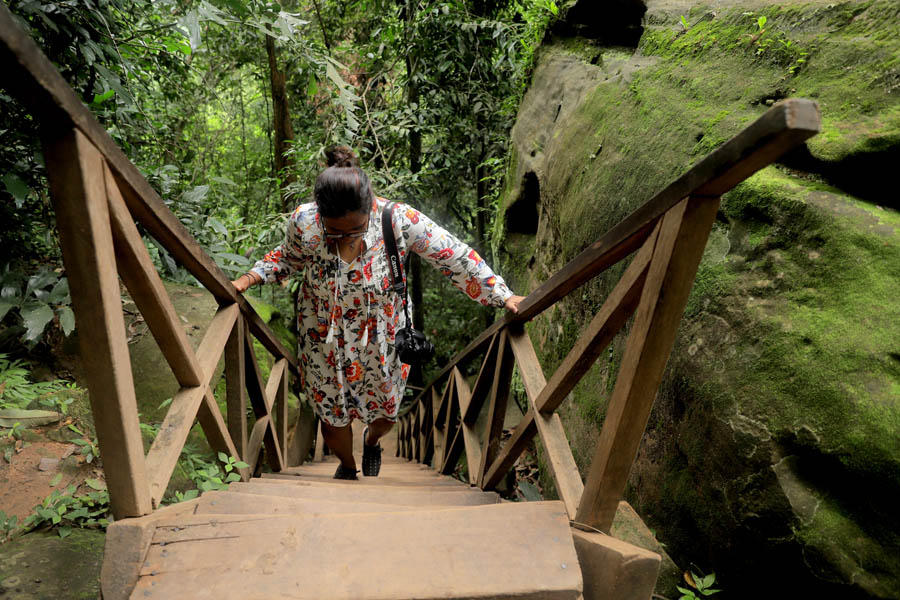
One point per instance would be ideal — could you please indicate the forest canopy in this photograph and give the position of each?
(226, 107)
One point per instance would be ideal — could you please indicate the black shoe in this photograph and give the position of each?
(345, 473)
(371, 458)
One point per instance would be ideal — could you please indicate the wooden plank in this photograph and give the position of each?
(438, 428)
(441, 414)
(256, 391)
(611, 317)
(37, 84)
(174, 430)
(483, 381)
(470, 436)
(137, 270)
(679, 248)
(556, 446)
(79, 195)
(216, 431)
(276, 391)
(497, 411)
(784, 126)
(511, 451)
(254, 446)
(474, 347)
(454, 451)
(235, 388)
(319, 454)
(450, 428)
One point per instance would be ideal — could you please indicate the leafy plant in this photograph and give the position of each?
(88, 448)
(18, 391)
(15, 431)
(701, 585)
(684, 23)
(8, 525)
(35, 301)
(65, 510)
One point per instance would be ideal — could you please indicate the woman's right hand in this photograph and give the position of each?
(245, 281)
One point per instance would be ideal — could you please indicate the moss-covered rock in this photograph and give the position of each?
(773, 450)
(44, 565)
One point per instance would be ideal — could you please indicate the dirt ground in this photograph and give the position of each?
(23, 483)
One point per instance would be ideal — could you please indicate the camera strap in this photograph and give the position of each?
(395, 266)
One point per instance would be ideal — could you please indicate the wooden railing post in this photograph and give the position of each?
(682, 239)
(78, 189)
(497, 410)
(235, 388)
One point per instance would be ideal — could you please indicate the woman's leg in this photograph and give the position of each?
(340, 441)
(377, 429)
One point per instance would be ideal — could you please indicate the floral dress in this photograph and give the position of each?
(349, 313)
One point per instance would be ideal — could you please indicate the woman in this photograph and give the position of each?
(349, 313)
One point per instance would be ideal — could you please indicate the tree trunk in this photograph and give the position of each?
(281, 124)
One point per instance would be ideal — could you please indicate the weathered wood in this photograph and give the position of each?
(301, 442)
(260, 430)
(679, 248)
(558, 453)
(235, 388)
(461, 357)
(782, 127)
(511, 451)
(79, 194)
(454, 451)
(319, 453)
(451, 425)
(611, 317)
(179, 419)
(137, 270)
(256, 391)
(438, 428)
(483, 381)
(276, 391)
(497, 410)
(470, 436)
(441, 414)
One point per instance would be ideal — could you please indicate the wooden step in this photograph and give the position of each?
(514, 550)
(378, 494)
(235, 503)
(438, 485)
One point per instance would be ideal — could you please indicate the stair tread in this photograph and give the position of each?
(384, 482)
(380, 494)
(236, 503)
(433, 554)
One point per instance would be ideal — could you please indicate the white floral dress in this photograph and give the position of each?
(349, 312)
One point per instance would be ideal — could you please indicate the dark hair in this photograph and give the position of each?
(342, 187)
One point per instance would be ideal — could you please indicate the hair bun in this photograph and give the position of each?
(341, 156)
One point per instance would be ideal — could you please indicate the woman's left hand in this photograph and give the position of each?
(512, 303)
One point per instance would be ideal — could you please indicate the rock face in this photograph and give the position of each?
(773, 451)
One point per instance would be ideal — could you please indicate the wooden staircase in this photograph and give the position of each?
(409, 533)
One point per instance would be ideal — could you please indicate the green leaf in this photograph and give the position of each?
(6, 306)
(706, 581)
(65, 531)
(219, 228)
(17, 188)
(35, 319)
(95, 484)
(101, 98)
(241, 464)
(66, 320)
(55, 481)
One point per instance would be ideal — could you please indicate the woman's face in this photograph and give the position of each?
(352, 225)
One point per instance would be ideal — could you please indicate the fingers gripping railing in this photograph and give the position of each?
(667, 236)
(98, 194)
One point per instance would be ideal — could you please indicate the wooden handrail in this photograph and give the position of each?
(669, 233)
(782, 127)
